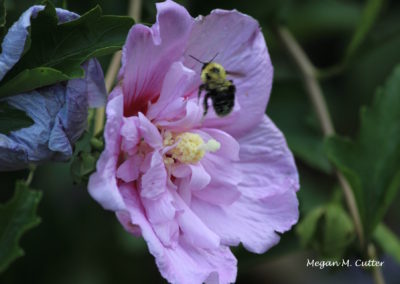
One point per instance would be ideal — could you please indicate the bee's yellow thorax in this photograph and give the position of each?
(213, 73)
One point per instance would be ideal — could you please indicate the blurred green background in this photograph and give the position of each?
(79, 242)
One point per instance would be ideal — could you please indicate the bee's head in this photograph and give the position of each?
(213, 72)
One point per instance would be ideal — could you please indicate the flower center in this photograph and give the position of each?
(190, 147)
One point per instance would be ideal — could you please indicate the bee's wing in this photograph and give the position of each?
(235, 73)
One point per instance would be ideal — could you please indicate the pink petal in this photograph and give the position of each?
(129, 170)
(103, 184)
(199, 178)
(171, 102)
(252, 222)
(145, 166)
(218, 194)
(180, 170)
(182, 263)
(194, 231)
(167, 233)
(160, 210)
(150, 132)
(240, 46)
(154, 181)
(225, 177)
(268, 203)
(149, 53)
(130, 134)
(161, 213)
(266, 162)
(222, 171)
(192, 119)
(184, 190)
(229, 146)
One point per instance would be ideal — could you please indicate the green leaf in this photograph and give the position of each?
(366, 22)
(2, 15)
(310, 19)
(12, 119)
(2, 21)
(87, 152)
(328, 230)
(301, 127)
(16, 217)
(56, 52)
(368, 18)
(371, 163)
(82, 166)
(388, 241)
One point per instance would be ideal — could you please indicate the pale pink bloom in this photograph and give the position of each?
(193, 186)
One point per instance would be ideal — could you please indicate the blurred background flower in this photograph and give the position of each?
(59, 112)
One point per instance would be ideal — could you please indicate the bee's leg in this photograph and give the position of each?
(205, 103)
(201, 88)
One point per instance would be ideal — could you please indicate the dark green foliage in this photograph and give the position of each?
(371, 162)
(2, 20)
(388, 241)
(55, 52)
(85, 157)
(16, 217)
(369, 16)
(327, 229)
(299, 124)
(86, 154)
(12, 119)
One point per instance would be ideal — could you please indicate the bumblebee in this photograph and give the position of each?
(217, 87)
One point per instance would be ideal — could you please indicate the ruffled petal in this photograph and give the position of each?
(130, 134)
(103, 184)
(222, 188)
(129, 170)
(199, 178)
(182, 263)
(171, 104)
(223, 172)
(149, 132)
(154, 181)
(252, 222)
(266, 162)
(194, 231)
(229, 146)
(160, 210)
(161, 213)
(240, 47)
(191, 119)
(149, 53)
(268, 201)
(219, 195)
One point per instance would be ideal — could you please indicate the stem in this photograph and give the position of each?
(135, 7)
(29, 179)
(309, 76)
(376, 270)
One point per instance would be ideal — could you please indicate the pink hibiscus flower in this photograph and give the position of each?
(190, 185)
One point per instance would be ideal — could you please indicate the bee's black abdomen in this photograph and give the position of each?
(223, 102)
(223, 108)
